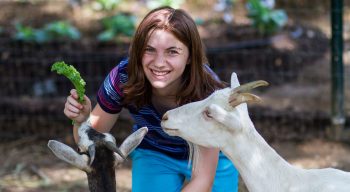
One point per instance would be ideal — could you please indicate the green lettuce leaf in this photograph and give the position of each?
(73, 75)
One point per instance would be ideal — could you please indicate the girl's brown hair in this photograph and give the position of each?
(197, 83)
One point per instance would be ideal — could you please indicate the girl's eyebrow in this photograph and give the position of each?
(173, 47)
(149, 46)
(178, 48)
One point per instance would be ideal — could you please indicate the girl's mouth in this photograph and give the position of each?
(159, 73)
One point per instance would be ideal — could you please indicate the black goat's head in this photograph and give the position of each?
(90, 141)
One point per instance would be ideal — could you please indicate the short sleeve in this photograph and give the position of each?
(211, 72)
(110, 94)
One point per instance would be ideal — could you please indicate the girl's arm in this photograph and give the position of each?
(203, 177)
(100, 120)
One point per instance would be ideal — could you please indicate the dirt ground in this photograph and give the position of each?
(29, 166)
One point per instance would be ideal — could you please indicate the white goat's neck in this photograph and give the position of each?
(256, 161)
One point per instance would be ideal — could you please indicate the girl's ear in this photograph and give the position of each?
(188, 60)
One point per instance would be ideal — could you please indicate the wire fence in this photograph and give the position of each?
(296, 63)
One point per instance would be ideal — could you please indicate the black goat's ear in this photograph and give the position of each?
(67, 154)
(131, 142)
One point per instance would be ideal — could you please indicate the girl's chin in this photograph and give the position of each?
(159, 85)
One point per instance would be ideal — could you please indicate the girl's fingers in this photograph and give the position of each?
(87, 100)
(72, 101)
(70, 114)
(75, 110)
(74, 93)
(72, 109)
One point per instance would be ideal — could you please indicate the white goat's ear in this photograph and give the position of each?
(234, 80)
(67, 154)
(234, 84)
(131, 142)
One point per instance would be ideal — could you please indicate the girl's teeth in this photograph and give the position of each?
(159, 72)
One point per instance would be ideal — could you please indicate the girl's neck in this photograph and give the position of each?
(163, 103)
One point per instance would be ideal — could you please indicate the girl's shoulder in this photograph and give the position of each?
(119, 72)
(123, 64)
(211, 72)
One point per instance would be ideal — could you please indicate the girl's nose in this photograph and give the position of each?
(159, 61)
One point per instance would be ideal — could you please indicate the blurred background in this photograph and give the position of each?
(301, 47)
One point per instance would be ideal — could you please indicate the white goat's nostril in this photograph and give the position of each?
(165, 117)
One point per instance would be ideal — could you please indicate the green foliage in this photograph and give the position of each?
(73, 75)
(28, 1)
(25, 33)
(106, 4)
(59, 30)
(116, 25)
(151, 4)
(265, 19)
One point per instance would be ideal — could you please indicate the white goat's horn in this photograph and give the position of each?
(236, 99)
(249, 86)
(240, 94)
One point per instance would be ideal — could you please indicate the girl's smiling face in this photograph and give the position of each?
(164, 60)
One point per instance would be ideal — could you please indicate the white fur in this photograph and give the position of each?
(212, 122)
(84, 141)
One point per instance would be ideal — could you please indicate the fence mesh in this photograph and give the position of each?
(296, 63)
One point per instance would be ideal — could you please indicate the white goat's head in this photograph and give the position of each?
(206, 122)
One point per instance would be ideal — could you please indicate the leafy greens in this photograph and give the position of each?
(73, 75)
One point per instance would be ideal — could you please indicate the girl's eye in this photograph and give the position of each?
(149, 50)
(173, 52)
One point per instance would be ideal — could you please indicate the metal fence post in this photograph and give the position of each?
(337, 70)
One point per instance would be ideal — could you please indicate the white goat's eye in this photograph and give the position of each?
(206, 114)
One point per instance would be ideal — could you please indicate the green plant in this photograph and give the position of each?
(58, 30)
(117, 25)
(151, 4)
(265, 19)
(28, 34)
(73, 75)
(106, 4)
(28, 1)
(61, 29)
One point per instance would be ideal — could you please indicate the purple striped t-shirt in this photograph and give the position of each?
(110, 98)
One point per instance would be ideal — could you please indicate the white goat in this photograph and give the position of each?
(222, 121)
(98, 155)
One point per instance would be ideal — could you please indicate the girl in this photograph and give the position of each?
(166, 68)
